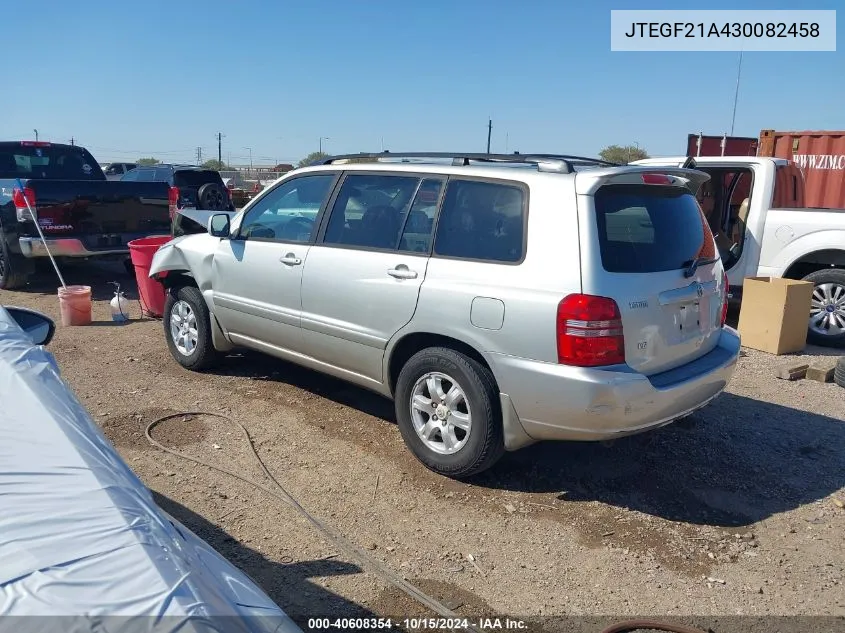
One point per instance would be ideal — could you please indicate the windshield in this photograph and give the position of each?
(43, 160)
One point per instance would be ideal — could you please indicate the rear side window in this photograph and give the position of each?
(369, 210)
(162, 174)
(482, 221)
(650, 228)
(54, 162)
(195, 177)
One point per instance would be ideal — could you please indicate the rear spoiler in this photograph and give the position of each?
(587, 182)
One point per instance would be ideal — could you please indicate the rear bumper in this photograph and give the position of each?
(556, 402)
(33, 247)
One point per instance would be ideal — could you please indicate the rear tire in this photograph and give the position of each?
(458, 435)
(839, 372)
(13, 267)
(828, 296)
(187, 329)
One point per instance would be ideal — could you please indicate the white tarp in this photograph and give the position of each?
(80, 535)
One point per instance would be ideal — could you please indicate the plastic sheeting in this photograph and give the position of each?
(83, 546)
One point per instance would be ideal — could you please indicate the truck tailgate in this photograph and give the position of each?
(76, 208)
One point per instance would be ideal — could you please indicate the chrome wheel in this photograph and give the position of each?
(183, 327)
(827, 311)
(440, 413)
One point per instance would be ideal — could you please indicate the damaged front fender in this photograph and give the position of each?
(190, 255)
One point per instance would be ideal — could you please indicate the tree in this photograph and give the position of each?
(312, 158)
(217, 165)
(148, 161)
(622, 155)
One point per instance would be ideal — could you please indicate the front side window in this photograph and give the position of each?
(288, 213)
(370, 209)
(481, 221)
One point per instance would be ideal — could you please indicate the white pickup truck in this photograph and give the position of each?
(755, 207)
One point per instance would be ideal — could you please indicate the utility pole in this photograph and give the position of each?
(220, 146)
(736, 92)
(71, 141)
(489, 133)
(199, 155)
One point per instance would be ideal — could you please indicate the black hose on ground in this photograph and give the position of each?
(628, 626)
(368, 563)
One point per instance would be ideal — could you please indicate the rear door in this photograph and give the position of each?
(646, 244)
(362, 278)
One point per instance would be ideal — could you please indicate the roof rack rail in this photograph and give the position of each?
(555, 163)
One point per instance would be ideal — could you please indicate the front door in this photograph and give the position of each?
(258, 272)
(362, 280)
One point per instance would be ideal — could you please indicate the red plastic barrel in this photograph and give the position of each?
(150, 292)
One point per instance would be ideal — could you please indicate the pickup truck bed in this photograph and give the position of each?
(80, 212)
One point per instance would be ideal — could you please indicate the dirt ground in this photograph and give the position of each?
(735, 512)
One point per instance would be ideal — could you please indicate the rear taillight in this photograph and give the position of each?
(35, 143)
(20, 203)
(173, 201)
(589, 331)
(725, 293)
(708, 243)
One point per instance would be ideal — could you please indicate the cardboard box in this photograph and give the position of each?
(774, 314)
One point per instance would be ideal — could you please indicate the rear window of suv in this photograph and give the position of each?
(195, 177)
(648, 228)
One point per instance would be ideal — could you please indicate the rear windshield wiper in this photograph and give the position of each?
(691, 266)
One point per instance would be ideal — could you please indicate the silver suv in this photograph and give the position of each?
(497, 299)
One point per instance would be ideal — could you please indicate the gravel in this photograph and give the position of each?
(730, 512)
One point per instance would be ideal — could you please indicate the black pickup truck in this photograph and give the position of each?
(81, 213)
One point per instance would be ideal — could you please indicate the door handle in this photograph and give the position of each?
(290, 260)
(402, 272)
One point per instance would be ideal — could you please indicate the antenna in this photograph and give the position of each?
(736, 92)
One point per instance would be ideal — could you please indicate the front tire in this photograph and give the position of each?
(827, 315)
(448, 411)
(187, 329)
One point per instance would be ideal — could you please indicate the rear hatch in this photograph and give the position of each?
(646, 245)
(190, 181)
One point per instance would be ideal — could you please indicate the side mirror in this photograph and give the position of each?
(39, 327)
(218, 225)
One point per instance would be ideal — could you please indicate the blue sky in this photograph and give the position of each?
(131, 79)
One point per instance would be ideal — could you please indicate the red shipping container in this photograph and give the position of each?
(712, 145)
(821, 158)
